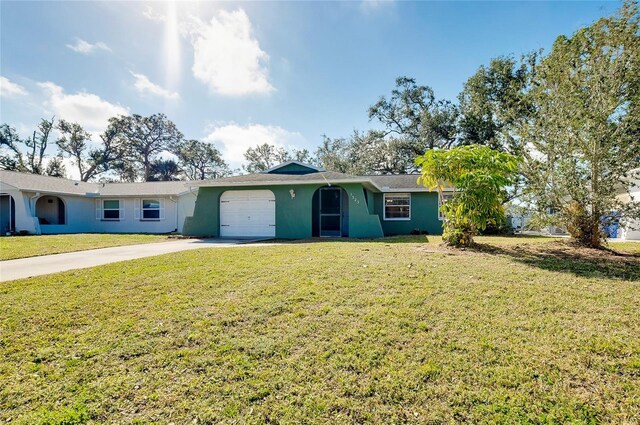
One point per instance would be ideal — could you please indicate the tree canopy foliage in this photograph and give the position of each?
(493, 101)
(26, 154)
(478, 176)
(131, 148)
(264, 156)
(147, 137)
(201, 160)
(583, 134)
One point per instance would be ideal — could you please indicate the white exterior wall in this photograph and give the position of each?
(79, 213)
(630, 229)
(23, 218)
(130, 213)
(83, 214)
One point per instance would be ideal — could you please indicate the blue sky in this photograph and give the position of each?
(239, 74)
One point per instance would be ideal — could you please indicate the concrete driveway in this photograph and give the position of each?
(46, 264)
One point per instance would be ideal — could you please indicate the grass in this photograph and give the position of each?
(329, 332)
(12, 247)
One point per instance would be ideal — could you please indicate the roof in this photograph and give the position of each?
(264, 179)
(144, 188)
(37, 183)
(381, 183)
(310, 167)
(398, 182)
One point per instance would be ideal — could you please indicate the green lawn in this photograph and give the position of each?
(30, 246)
(393, 331)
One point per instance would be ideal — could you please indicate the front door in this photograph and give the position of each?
(330, 212)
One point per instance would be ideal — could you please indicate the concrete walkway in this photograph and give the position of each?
(46, 264)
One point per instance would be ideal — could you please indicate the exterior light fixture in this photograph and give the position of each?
(292, 193)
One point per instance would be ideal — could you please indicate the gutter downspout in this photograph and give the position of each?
(32, 204)
(177, 208)
(32, 208)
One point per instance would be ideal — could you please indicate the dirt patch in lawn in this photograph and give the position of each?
(561, 256)
(562, 250)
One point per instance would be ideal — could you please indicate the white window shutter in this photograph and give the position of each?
(122, 205)
(161, 209)
(98, 209)
(136, 209)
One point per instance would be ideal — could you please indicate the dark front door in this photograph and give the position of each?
(330, 212)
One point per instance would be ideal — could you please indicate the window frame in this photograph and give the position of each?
(119, 209)
(384, 206)
(448, 195)
(143, 209)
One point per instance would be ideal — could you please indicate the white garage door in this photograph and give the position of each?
(247, 213)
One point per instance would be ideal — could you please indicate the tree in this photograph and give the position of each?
(164, 170)
(366, 153)
(37, 146)
(11, 141)
(332, 155)
(371, 153)
(146, 138)
(493, 100)
(124, 170)
(74, 143)
(584, 132)
(479, 176)
(413, 113)
(56, 167)
(262, 157)
(201, 160)
(26, 155)
(302, 155)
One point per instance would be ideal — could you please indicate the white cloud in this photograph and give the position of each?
(144, 85)
(87, 109)
(9, 89)
(84, 47)
(234, 139)
(151, 15)
(227, 57)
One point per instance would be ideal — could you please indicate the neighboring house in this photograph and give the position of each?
(628, 229)
(297, 201)
(41, 204)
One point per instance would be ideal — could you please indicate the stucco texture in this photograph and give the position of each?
(294, 215)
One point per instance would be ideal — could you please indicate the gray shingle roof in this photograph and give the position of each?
(398, 182)
(37, 183)
(385, 183)
(144, 189)
(265, 179)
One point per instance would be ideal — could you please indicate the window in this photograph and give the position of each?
(397, 206)
(111, 209)
(443, 199)
(150, 209)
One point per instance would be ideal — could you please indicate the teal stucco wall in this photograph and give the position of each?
(293, 215)
(424, 215)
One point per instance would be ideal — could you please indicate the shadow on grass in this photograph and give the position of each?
(567, 258)
(399, 239)
(384, 240)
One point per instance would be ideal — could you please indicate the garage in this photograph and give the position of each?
(248, 213)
